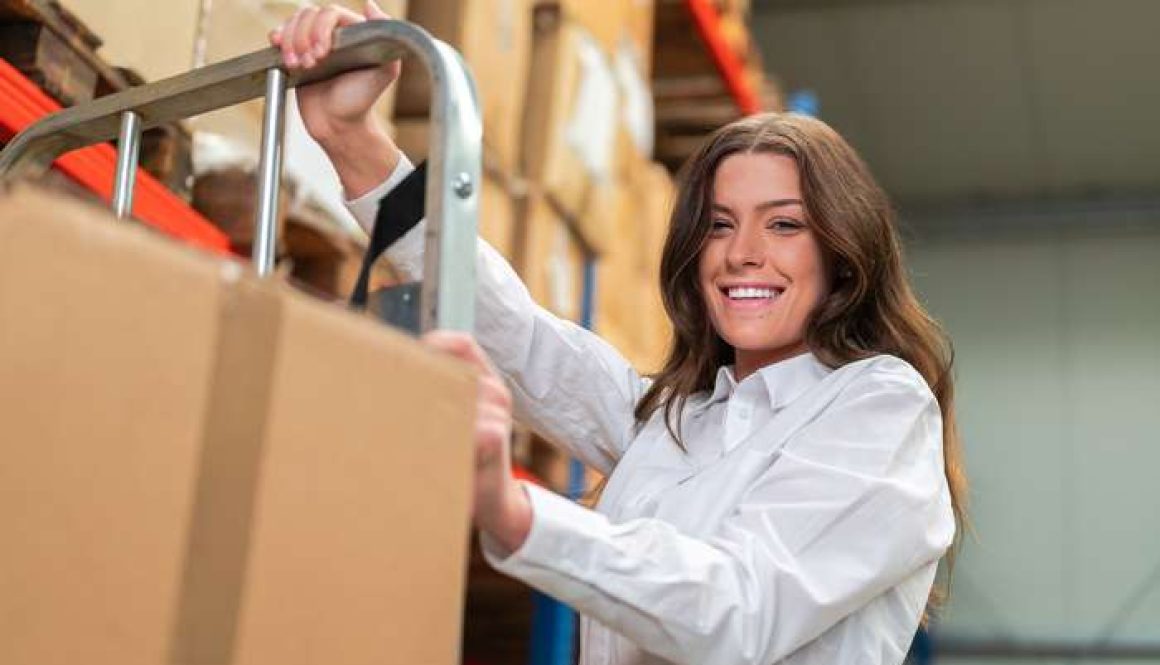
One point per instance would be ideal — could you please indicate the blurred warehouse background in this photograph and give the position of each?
(1018, 139)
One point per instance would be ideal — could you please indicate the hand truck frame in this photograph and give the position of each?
(447, 293)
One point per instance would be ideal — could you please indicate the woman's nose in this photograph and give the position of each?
(745, 250)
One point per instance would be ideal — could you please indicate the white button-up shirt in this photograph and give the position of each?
(803, 525)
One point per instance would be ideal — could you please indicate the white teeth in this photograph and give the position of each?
(739, 293)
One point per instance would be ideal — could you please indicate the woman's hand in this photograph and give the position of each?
(338, 112)
(500, 506)
(341, 102)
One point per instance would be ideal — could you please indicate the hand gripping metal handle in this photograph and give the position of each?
(453, 166)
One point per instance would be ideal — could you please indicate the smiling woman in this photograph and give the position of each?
(781, 201)
(784, 489)
(796, 252)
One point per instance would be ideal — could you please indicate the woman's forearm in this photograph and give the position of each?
(364, 155)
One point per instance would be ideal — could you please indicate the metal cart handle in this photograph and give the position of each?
(448, 289)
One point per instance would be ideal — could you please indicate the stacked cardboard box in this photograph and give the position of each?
(553, 260)
(189, 476)
(236, 27)
(494, 37)
(165, 49)
(569, 144)
(629, 313)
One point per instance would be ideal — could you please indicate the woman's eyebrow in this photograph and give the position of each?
(761, 207)
(775, 203)
(778, 203)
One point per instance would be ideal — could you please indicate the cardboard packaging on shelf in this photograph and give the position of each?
(629, 313)
(607, 21)
(551, 258)
(164, 49)
(205, 467)
(570, 123)
(237, 27)
(495, 39)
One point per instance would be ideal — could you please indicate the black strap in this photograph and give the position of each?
(399, 211)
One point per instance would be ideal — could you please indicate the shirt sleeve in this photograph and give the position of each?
(856, 503)
(566, 382)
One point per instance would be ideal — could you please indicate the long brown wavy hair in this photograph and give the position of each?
(870, 310)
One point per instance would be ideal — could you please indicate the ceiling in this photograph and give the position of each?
(962, 102)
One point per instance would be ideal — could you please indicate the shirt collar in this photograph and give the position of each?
(784, 381)
(723, 386)
(789, 379)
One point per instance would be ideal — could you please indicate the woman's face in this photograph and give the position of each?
(761, 270)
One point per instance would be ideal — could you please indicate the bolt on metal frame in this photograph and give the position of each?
(448, 290)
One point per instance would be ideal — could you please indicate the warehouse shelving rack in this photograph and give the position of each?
(93, 167)
(732, 71)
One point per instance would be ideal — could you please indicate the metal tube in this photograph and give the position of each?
(128, 148)
(234, 81)
(269, 173)
(453, 174)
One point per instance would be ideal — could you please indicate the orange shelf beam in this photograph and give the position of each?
(522, 473)
(732, 70)
(24, 103)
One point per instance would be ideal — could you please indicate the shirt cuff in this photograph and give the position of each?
(552, 539)
(366, 207)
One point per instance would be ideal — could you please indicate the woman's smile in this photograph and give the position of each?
(751, 297)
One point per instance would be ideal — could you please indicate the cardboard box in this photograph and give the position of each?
(655, 192)
(621, 281)
(165, 49)
(607, 20)
(629, 311)
(636, 119)
(205, 467)
(571, 121)
(495, 39)
(654, 189)
(551, 258)
(641, 20)
(237, 27)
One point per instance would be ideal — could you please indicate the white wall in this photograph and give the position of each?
(1058, 341)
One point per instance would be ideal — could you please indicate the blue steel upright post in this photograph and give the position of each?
(553, 622)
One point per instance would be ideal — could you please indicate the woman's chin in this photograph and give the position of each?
(763, 349)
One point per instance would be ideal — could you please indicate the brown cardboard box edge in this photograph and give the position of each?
(205, 587)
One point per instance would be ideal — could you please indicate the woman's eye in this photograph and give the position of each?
(783, 225)
(719, 225)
